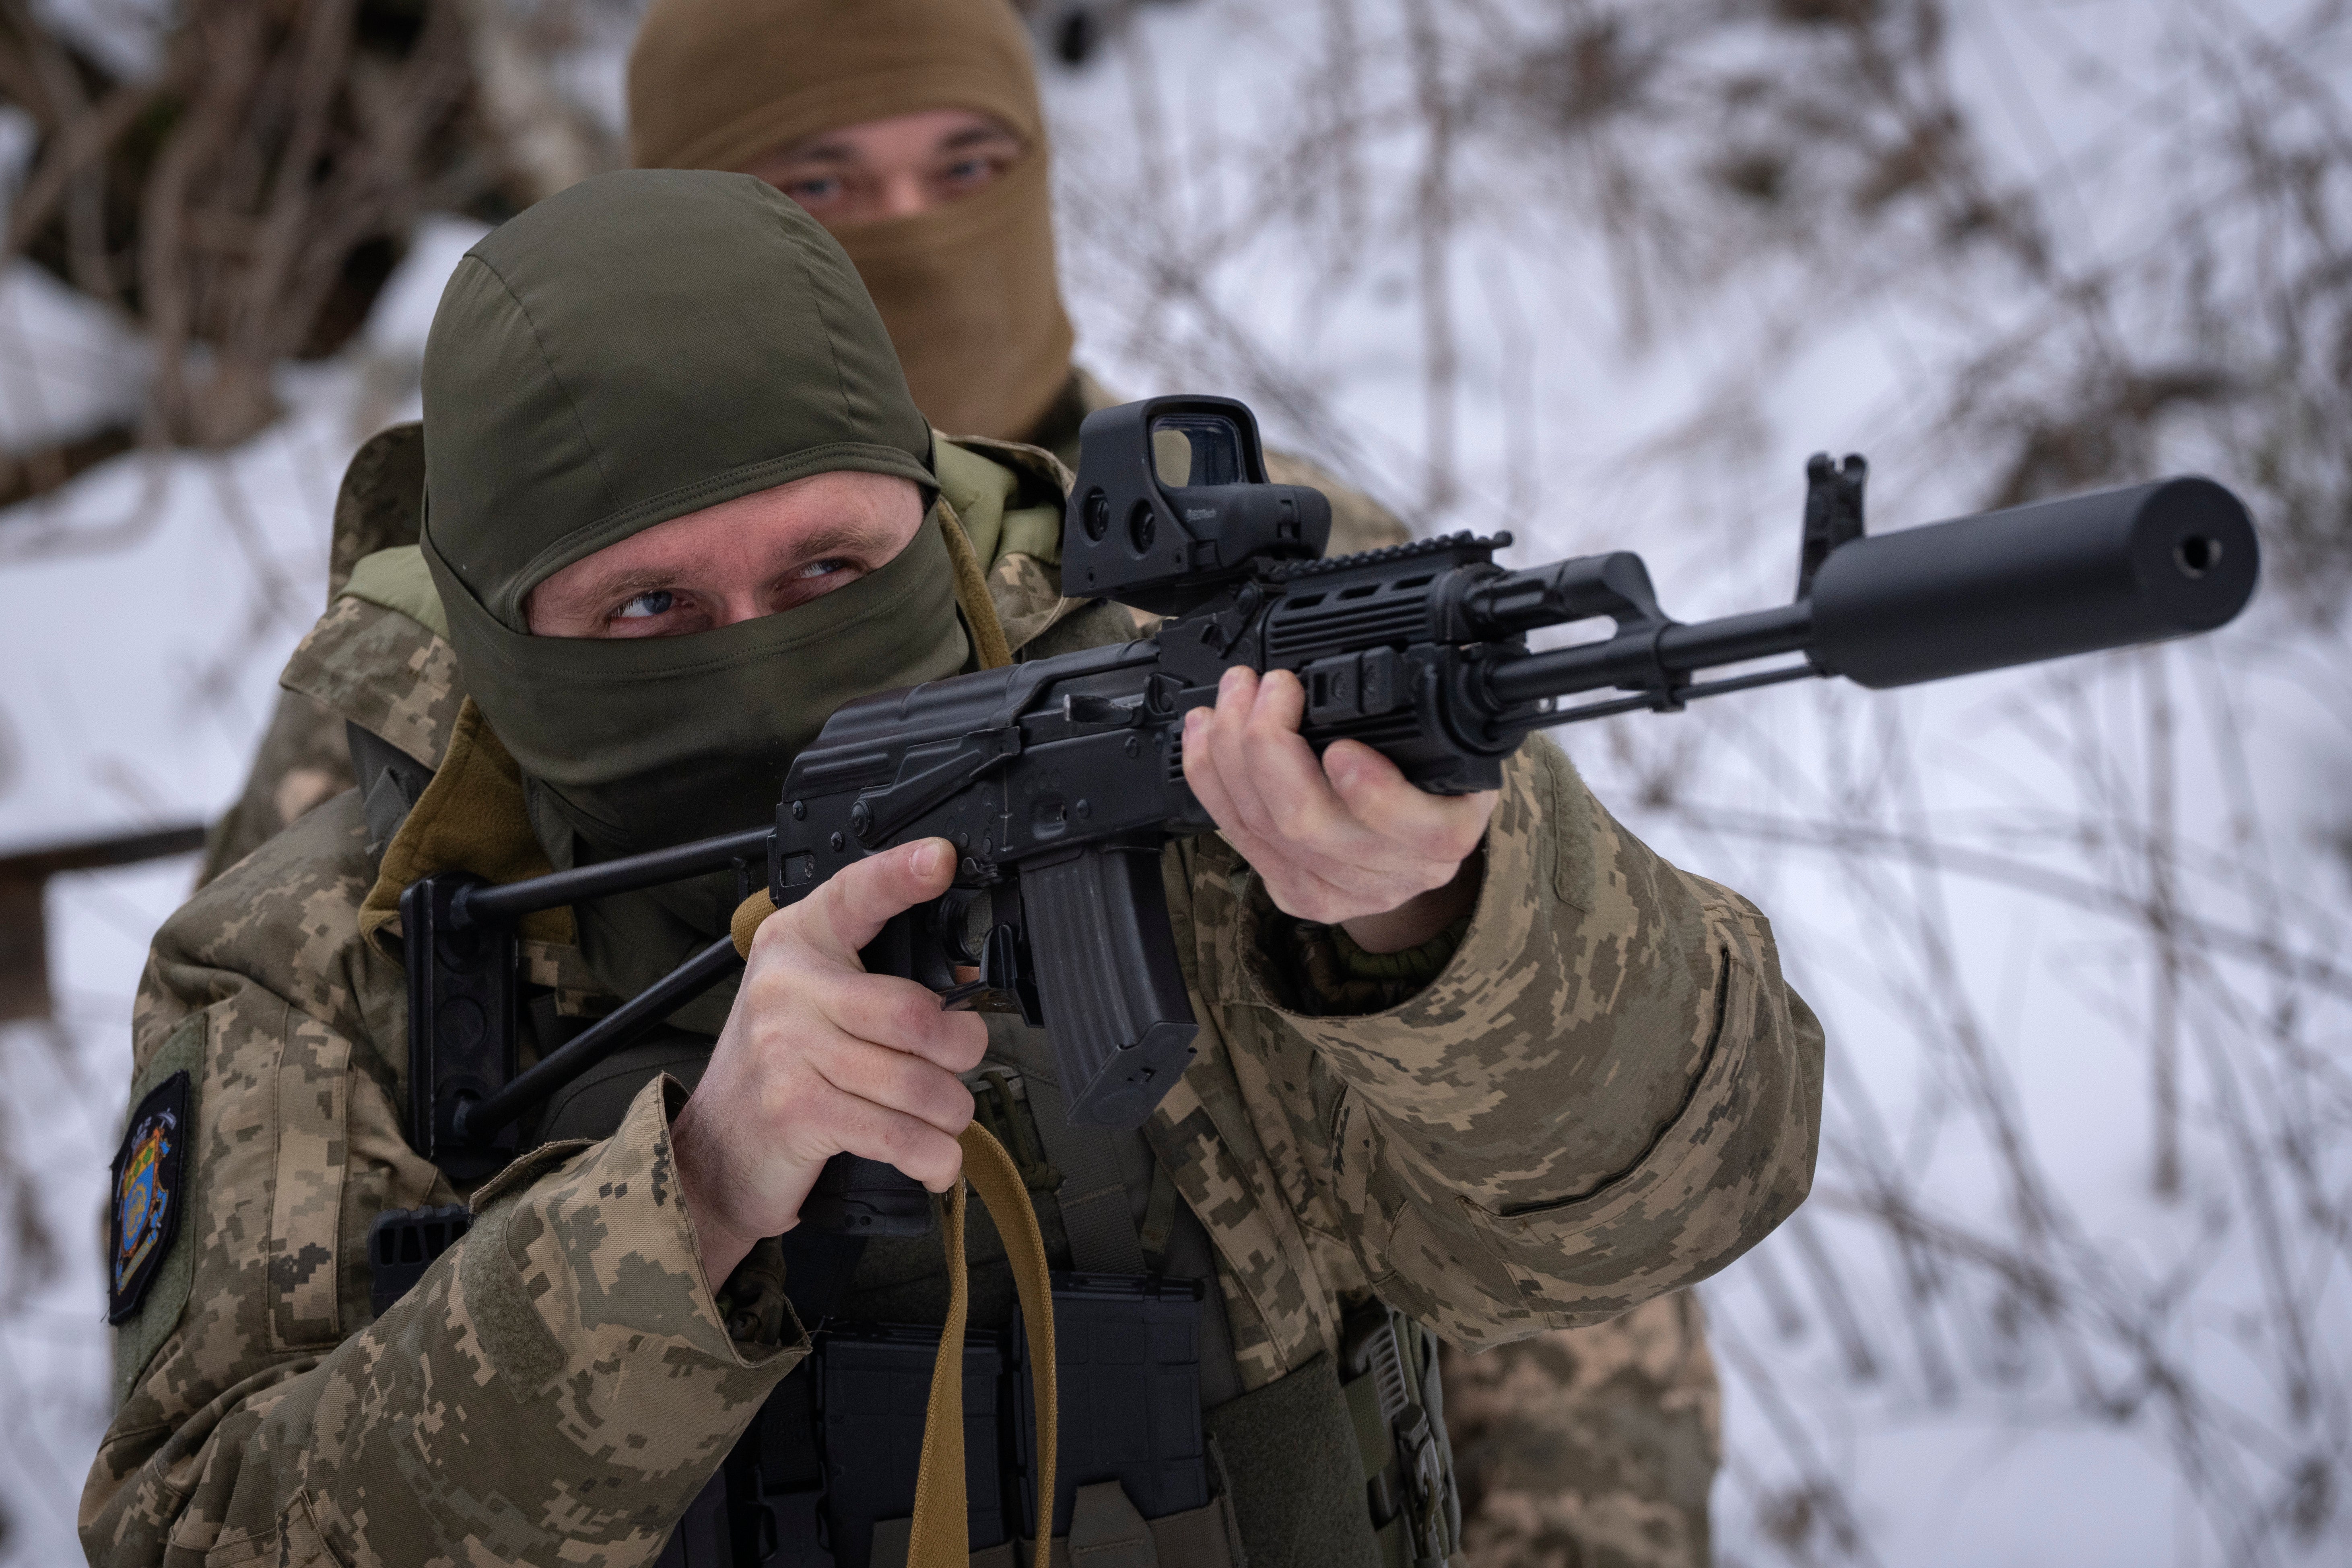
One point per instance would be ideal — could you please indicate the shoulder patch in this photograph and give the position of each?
(144, 1213)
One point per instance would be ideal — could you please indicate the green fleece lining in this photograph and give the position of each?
(979, 489)
(1325, 975)
(397, 579)
(1415, 967)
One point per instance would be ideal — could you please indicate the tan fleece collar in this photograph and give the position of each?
(470, 818)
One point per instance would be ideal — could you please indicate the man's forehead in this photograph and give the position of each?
(948, 129)
(664, 558)
(845, 512)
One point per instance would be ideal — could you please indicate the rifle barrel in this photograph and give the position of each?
(1680, 649)
(2110, 569)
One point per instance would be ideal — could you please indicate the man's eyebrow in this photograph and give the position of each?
(819, 150)
(848, 538)
(837, 538)
(623, 586)
(973, 135)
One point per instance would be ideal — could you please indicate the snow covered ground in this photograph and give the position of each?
(1986, 1338)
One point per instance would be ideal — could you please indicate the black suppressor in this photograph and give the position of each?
(2110, 569)
(2105, 570)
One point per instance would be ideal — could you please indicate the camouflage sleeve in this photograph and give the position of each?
(1609, 1091)
(555, 1390)
(1589, 1445)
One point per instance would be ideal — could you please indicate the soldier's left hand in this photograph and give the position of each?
(1346, 840)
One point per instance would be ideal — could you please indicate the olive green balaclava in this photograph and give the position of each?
(643, 346)
(969, 289)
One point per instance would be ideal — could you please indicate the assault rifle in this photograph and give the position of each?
(1060, 780)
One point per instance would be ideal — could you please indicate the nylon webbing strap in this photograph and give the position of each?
(747, 919)
(971, 594)
(1094, 1210)
(939, 1535)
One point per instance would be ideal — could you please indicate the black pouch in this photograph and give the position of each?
(775, 1483)
(836, 1450)
(1127, 1356)
(874, 1389)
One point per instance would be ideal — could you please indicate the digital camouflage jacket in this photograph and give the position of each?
(1595, 1446)
(1608, 1091)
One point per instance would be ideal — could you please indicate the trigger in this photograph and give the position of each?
(1003, 984)
(965, 995)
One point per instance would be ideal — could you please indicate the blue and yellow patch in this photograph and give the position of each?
(144, 1215)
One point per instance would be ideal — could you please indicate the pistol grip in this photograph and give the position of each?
(1113, 997)
(862, 1198)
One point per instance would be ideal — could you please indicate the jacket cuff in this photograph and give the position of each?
(1568, 1027)
(758, 1314)
(1384, 1001)
(596, 1238)
(1322, 973)
(559, 1396)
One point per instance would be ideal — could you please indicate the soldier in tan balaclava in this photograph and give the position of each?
(912, 129)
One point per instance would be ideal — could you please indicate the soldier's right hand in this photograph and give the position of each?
(819, 1059)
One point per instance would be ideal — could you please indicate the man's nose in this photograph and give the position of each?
(744, 604)
(905, 194)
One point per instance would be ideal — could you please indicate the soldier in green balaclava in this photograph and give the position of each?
(913, 130)
(1487, 1061)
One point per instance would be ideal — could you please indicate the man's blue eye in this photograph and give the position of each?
(644, 607)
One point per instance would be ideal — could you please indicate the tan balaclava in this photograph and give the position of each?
(967, 290)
